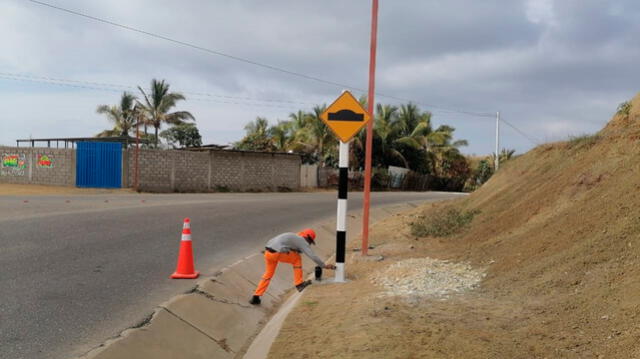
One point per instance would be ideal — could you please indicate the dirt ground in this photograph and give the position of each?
(558, 235)
(7, 189)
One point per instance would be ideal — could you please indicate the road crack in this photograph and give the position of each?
(221, 342)
(219, 300)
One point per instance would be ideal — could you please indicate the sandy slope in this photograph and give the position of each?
(559, 238)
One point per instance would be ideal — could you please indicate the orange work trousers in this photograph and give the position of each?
(271, 262)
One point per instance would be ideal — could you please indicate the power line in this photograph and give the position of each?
(98, 88)
(135, 88)
(232, 100)
(109, 86)
(194, 46)
(528, 137)
(251, 62)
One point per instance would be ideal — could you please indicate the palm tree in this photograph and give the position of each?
(409, 117)
(158, 104)
(385, 136)
(122, 116)
(280, 136)
(297, 131)
(444, 152)
(299, 120)
(318, 133)
(257, 136)
(409, 130)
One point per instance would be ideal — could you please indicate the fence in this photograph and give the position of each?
(214, 170)
(309, 176)
(160, 170)
(384, 180)
(46, 166)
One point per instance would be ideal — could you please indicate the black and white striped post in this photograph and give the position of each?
(341, 222)
(345, 117)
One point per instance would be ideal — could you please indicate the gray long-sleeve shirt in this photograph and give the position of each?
(287, 242)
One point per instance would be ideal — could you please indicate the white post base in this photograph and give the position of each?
(339, 273)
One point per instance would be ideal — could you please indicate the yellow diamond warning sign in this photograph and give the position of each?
(345, 117)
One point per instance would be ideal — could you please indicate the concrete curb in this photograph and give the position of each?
(215, 320)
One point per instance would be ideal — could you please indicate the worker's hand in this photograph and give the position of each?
(329, 266)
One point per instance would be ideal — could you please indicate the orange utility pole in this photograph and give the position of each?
(136, 174)
(370, 109)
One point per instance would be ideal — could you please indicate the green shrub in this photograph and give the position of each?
(443, 224)
(624, 108)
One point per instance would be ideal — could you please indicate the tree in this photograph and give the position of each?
(185, 135)
(158, 104)
(445, 152)
(318, 133)
(122, 116)
(280, 136)
(257, 136)
(385, 135)
(402, 136)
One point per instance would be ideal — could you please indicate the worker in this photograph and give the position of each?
(286, 248)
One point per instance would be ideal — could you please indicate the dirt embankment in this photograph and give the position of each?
(558, 239)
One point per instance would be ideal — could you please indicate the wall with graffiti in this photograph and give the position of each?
(45, 161)
(37, 166)
(13, 164)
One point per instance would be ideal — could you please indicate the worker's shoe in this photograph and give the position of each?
(255, 300)
(300, 287)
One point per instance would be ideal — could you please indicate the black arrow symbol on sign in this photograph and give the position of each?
(346, 115)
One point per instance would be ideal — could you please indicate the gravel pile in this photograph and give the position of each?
(427, 277)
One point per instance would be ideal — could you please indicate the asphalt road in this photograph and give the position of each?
(75, 271)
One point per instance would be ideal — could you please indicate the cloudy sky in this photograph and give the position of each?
(553, 68)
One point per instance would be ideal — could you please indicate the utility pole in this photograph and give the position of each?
(137, 172)
(497, 160)
(369, 142)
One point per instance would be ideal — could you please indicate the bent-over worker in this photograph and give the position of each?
(286, 248)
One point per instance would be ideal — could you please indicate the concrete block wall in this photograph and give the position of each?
(161, 170)
(61, 171)
(185, 171)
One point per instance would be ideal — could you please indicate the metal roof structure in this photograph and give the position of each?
(69, 142)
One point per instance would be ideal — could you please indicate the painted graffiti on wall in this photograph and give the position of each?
(45, 161)
(13, 165)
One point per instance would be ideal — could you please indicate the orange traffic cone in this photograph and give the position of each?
(185, 268)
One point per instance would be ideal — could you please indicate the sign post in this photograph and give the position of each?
(345, 117)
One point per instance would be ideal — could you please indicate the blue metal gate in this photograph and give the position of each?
(99, 164)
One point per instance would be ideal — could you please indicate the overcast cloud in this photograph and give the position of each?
(553, 68)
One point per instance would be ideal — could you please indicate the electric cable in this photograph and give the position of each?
(135, 88)
(110, 87)
(97, 88)
(528, 137)
(249, 61)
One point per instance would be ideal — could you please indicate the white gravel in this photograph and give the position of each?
(427, 277)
